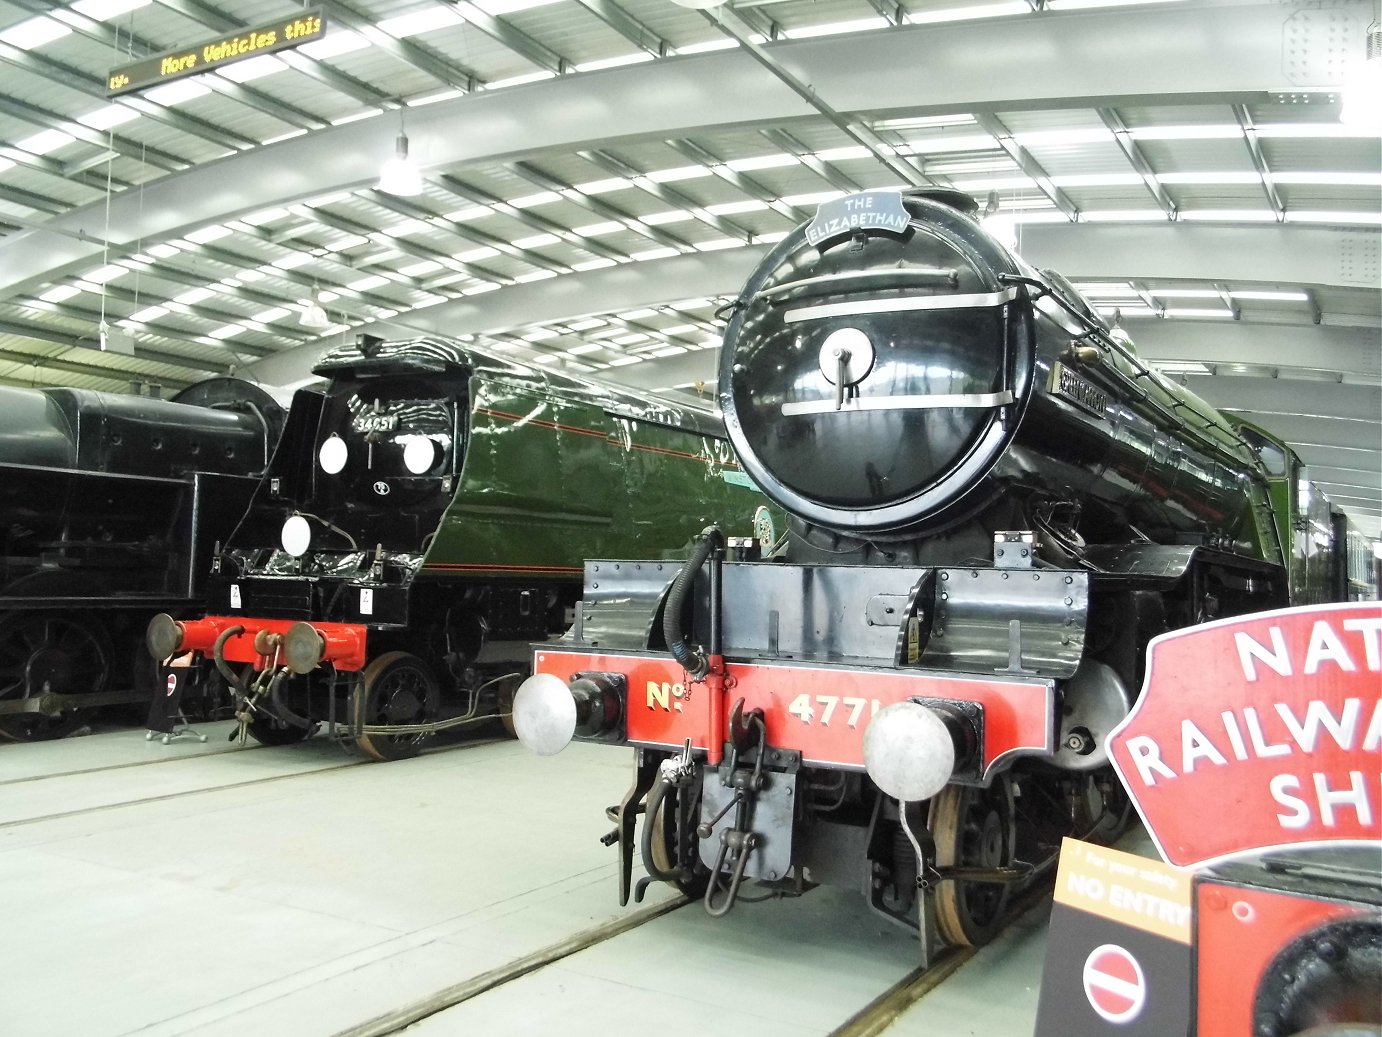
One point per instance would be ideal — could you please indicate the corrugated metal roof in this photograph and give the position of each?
(373, 240)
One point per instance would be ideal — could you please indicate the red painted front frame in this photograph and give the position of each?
(344, 642)
(1018, 712)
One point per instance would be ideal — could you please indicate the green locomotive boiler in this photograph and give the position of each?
(425, 518)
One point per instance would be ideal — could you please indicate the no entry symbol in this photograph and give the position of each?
(1114, 983)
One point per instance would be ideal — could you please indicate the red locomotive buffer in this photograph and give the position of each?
(1289, 946)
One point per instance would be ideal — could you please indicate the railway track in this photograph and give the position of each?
(28, 779)
(450, 997)
(875, 1017)
(878, 1015)
(292, 755)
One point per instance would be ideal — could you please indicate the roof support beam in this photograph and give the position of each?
(77, 79)
(599, 207)
(733, 26)
(515, 39)
(627, 26)
(406, 208)
(807, 158)
(531, 219)
(611, 289)
(1259, 161)
(994, 126)
(44, 119)
(1261, 253)
(406, 51)
(612, 164)
(1133, 152)
(747, 185)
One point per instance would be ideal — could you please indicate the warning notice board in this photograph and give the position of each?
(1119, 959)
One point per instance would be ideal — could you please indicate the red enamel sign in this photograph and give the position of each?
(1258, 732)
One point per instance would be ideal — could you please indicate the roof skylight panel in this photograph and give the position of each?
(1329, 178)
(598, 187)
(520, 80)
(1337, 218)
(178, 92)
(253, 68)
(707, 46)
(675, 175)
(104, 10)
(617, 61)
(536, 241)
(415, 23)
(719, 244)
(806, 32)
(334, 44)
(1255, 215)
(498, 8)
(110, 116)
(966, 13)
(34, 33)
(45, 142)
(61, 293)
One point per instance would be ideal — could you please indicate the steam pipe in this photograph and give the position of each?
(218, 654)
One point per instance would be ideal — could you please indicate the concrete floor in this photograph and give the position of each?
(183, 889)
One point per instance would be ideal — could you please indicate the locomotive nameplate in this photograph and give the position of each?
(1066, 384)
(867, 210)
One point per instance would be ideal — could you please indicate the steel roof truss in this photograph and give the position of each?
(1138, 160)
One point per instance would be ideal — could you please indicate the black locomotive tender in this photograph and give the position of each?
(110, 507)
(994, 506)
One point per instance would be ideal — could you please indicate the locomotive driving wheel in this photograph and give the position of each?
(50, 654)
(973, 828)
(1100, 808)
(396, 688)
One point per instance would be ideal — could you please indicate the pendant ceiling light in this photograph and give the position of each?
(314, 316)
(400, 174)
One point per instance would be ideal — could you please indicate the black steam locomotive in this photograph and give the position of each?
(994, 506)
(424, 520)
(110, 506)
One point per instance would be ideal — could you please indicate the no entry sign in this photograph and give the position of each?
(1118, 959)
(1114, 983)
(1259, 732)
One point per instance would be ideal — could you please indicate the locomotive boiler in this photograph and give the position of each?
(110, 507)
(423, 521)
(994, 505)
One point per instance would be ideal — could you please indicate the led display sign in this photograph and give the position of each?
(217, 52)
